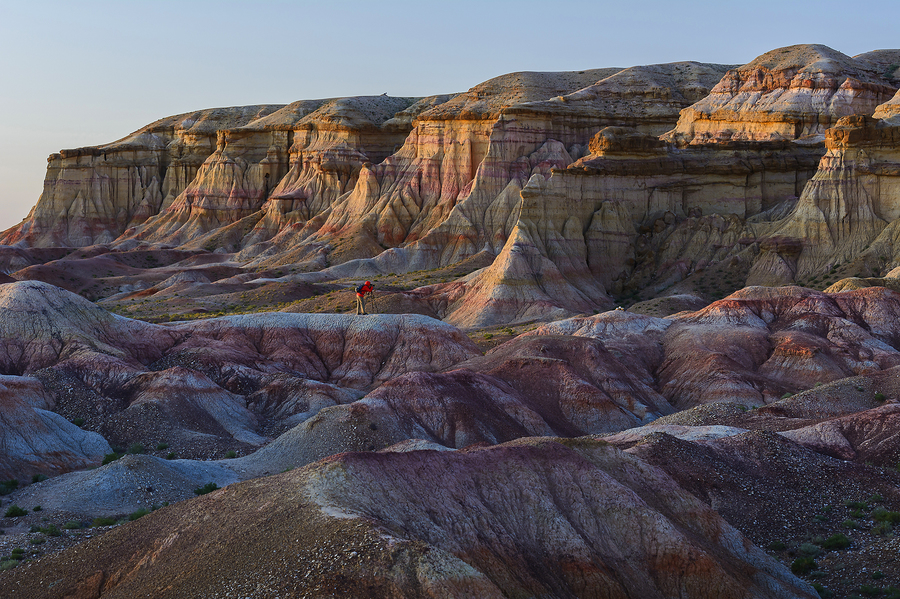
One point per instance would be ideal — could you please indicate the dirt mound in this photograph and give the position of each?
(448, 524)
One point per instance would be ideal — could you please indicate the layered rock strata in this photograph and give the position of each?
(790, 93)
(93, 194)
(849, 211)
(633, 213)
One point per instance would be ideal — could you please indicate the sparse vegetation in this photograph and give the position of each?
(207, 488)
(135, 449)
(880, 514)
(37, 478)
(14, 511)
(230, 454)
(138, 514)
(836, 541)
(8, 486)
(111, 457)
(803, 565)
(103, 521)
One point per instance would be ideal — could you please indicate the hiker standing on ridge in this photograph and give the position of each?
(361, 292)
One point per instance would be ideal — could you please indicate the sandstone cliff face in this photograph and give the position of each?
(311, 144)
(635, 213)
(790, 93)
(93, 194)
(486, 144)
(849, 210)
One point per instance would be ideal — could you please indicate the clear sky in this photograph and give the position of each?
(90, 72)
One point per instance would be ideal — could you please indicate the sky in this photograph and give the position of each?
(85, 73)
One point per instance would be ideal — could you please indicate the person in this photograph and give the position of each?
(361, 292)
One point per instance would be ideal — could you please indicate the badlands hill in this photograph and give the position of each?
(176, 320)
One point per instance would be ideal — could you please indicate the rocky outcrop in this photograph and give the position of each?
(510, 129)
(448, 524)
(633, 214)
(93, 194)
(35, 440)
(848, 212)
(203, 388)
(303, 155)
(790, 93)
(751, 347)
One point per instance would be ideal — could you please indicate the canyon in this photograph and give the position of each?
(636, 332)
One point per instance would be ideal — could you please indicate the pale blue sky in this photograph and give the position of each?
(89, 72)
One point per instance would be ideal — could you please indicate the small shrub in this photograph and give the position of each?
(170, 455)
(207, 488)
(8, 486)
(810, 550)
(860, 388)
(786, 395)
(822, 591)
(857, 514)
(8, 564)
(230, 454)
(38, 541)
(879, 396)
(777, 546)
(111, 457)
(849, 524)
(803, 565)
(78, 421)
(52, 531)
(877, 575)
(162, 446)
(836, 541)
(856, 505)
(102, 521)
(36, 508)
(138, 514)
(882, 529)
(137, 448)
(488, 335)
(38, 478)
(876, 498)
(880, 514)
(870, 591)
(72, 525)
(15, 511)
(34, 528)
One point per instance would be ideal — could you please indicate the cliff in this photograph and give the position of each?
(795, 92)
(848, 213)
(93, 194)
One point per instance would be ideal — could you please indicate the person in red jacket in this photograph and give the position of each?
(361, 292)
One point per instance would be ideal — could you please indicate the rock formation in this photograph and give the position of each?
(93, 194)
(790, 93)
(199, 387)
(526, 519)
(35, 440)
(849, 212)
